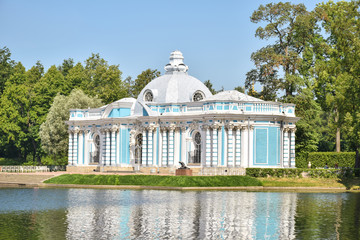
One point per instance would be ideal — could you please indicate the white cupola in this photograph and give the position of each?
(176, 63)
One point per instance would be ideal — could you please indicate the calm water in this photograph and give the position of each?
(150, 214)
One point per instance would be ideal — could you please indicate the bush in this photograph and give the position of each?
(332, 173)
(343, 159)
(274, 172)
(301, 160)
(9, 162)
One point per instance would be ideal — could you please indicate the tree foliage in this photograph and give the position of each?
(103, 80)
(285, 65)
(209, 85)
(53, 132)
(6, 67)
(290, 26)
(143, 79)
(18, 118)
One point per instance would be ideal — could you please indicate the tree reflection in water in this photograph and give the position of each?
(150, 214)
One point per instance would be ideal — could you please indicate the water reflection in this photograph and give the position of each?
(169, 214)
(149, 214)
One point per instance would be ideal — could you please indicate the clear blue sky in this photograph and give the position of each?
(215, 37)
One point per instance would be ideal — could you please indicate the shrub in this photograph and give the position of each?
(301, 160)
(331, 173)
(343, 159)
(274, 172)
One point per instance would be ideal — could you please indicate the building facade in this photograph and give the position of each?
(176, 118)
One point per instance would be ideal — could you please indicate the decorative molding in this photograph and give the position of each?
(114, 128)
(172, 127)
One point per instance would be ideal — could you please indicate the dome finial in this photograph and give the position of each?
(176, 63)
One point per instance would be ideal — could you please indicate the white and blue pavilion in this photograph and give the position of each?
(176, 118)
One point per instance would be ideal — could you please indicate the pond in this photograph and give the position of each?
(151, 214)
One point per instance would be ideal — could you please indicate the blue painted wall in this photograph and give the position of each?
(119, 112)
(266, 146)
(124, 148)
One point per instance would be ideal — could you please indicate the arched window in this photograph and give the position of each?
(95, 154)
(138, 149)
(148, 96)
(197, 151)
(198, 96)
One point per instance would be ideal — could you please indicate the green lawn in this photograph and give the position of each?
(153, 180)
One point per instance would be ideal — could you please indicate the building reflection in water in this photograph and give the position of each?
(150, 214)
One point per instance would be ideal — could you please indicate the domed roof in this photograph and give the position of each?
(175, 86)
(233, 95)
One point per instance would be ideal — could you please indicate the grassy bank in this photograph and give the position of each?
(300, 182)
(153, 180)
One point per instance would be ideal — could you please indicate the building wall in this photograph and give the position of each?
(266, 144)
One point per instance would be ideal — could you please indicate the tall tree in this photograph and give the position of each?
(18, 119)
(53, 132)
(77, 77)
(209, 85)
(103, 80)
(240, 89)
(52, 83)
(290, 25)
(284, 65)
(6, 67)
(143, 79)
(337, 66)
(66, 66)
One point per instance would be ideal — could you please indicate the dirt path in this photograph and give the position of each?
(27, 178)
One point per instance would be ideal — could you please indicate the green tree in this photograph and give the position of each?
(76, 77)
(6, 67)
(287, 65)
(53, 132)
(291, 26)
(143, 79)
(337, 64)
(17, 116)
(240, 89)
(66, 66)
(209, 85)
(103, 80)
(52, 83)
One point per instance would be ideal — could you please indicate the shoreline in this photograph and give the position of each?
(142, 187)
(35, 180)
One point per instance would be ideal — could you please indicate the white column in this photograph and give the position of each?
(107, 147)
(292, 148)
(230, 146)
(238, 147)
(183, 144)
(86, 147)
(118, 140)
(164, 148)
(113, 146)
(80, 148)
(244, 146)
(70, 153)
(171, 145)
(103, 146)
(75, 147)
(251, 146)
(150, 146)
(208, 146)
(220, 142)
(286, 148)
(176, 145)
(144, 148)
(215, 145)
(156, 158)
